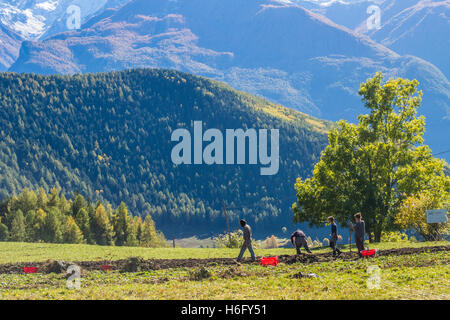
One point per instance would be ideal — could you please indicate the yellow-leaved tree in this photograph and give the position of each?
(412, 215)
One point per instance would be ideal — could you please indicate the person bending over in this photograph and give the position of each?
(298, 240)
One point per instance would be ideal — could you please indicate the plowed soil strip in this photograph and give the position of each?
(159, 264)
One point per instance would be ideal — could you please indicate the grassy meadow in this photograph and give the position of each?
(418, 276)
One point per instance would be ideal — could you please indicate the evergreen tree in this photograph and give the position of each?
(64, 206)
(83, 222)
(42, 198)
(132, 236)
(39, 225)
(122, 224)
(18, 232)
(139, 224)
(30, 221)
(150, 237)
(53, 198)
(77, 204)
(72, 233)
(103, 229)
(25, 201)
(4, 232)
(53, 229)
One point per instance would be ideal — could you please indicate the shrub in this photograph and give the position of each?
(394, 237)
(316, 243)
(309, 242)
(3, 232)
(223, 240)
(271, 243)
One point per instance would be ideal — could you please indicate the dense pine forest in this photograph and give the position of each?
(108, 137)
(42, 217)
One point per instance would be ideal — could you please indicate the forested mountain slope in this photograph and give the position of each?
(108, 135)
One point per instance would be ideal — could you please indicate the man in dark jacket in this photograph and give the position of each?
(360, 230)
(298, 240)
(334, 237)
(247, 241)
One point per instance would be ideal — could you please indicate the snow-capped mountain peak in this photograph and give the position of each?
(33, 19)
(47, 5)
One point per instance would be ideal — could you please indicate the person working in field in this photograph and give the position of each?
(298, 239)
(247, 241)
(360, 230)
(334, 237)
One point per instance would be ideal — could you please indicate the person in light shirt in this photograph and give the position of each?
(247, 241)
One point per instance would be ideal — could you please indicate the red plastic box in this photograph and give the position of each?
(368, 253)
(106, 267)
(30, 269)
(270, 261)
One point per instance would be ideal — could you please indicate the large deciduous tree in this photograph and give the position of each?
(372, 166)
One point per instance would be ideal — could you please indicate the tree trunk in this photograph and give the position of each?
(378, 235)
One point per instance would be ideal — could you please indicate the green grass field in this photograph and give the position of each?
(418, 276)
(12, 252)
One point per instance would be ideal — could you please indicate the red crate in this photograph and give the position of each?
(269, 261)
(368, 253)
(30, 269)
(106, 267)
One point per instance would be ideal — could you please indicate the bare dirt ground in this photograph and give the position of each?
(138, 264)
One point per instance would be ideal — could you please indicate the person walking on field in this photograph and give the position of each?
(298, 239)
(247, 241)
(360, 230)
(334, 237)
